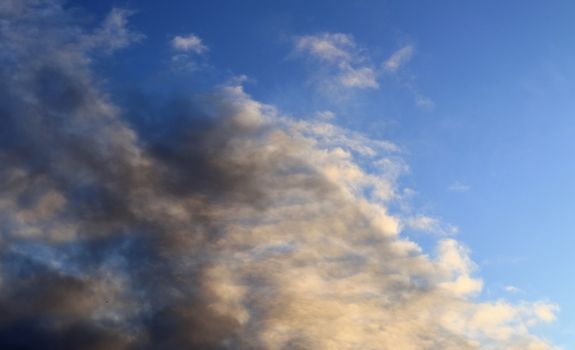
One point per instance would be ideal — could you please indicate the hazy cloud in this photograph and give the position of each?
(347, 63)
(325, 115)
(459, 187)
(512, 289)
(340, 64)
(398, 59)
(114, 33)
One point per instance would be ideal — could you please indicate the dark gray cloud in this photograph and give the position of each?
(212, 223)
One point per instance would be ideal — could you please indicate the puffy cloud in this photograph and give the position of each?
(216, 224)
(189, 43)
(187, 48)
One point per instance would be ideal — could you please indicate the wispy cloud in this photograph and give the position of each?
(337, 48)
(325, 115)
(432, 225)
(459, 187)
(512, 289)
(343, 57)
(218, 223)
(398, 59)
(340, 65)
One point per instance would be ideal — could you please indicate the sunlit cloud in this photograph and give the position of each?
(220, 222)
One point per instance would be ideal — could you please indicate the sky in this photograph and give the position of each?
(287, 174)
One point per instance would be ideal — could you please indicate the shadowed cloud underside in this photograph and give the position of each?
(218, 224)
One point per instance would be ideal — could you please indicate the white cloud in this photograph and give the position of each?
(341, 65)
(361, 78)
(346, 64)
(512, 289)
(398, 59)
(189, 43)
(335, 48)
(325, 115)
(431, 225)
(188, 50)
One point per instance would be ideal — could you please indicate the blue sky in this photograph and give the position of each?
(491, 154)
(478, 97)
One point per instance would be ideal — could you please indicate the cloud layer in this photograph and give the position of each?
(216, 224)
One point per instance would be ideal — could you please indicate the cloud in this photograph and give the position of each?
(337, 48)
(398, 59)
(189, 43)
(345, 60)
(187, 48)
(114, 33)
(512, 289)
(361, 78)
(459, 187)
(432, 225)
(341, 65)
(214, 223)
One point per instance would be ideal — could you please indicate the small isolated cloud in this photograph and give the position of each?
(340, 64)
(343, 61)
(398, 59)
(189, 43)
(187, 48)
(393, 66)
(432, 225)
(512, 289)
(459, 187)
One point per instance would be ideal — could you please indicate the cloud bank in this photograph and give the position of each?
(219, 224)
